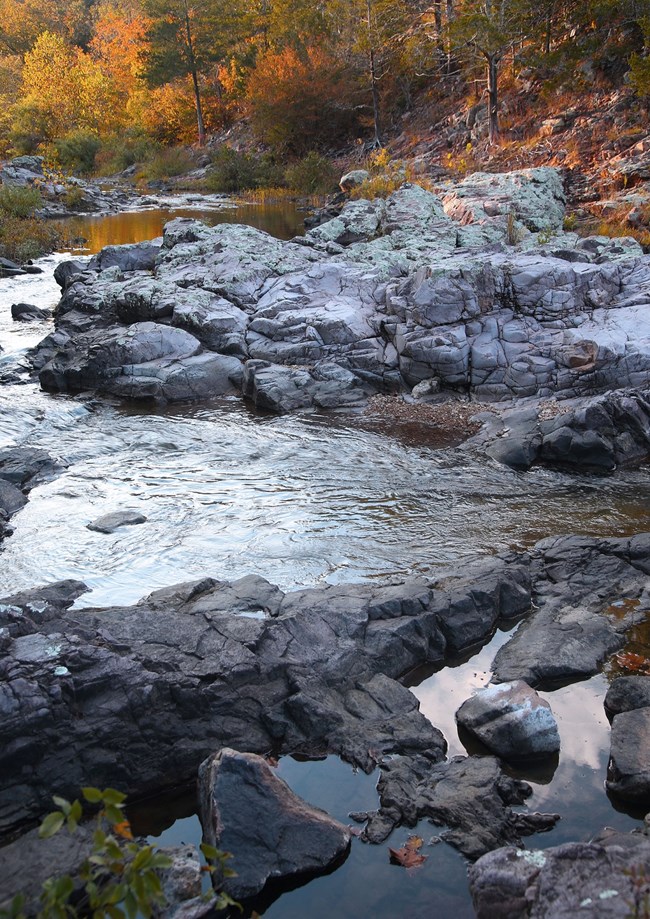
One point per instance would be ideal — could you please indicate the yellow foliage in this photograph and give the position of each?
(66, 89)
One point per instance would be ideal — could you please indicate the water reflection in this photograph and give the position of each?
(572, 786)
(281, 220)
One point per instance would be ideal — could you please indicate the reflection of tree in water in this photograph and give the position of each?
(280, 219)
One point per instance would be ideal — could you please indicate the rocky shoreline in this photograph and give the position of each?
(478, 296)
(528, 345)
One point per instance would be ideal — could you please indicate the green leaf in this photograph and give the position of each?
(63, 887)
(99, 839)
(76, 811)
(112, 796)
(211, 853)
(51, 825)
(92, 795)
(143, 858)
(63, 803)
(113, 813)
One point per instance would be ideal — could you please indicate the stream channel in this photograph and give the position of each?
(301, 500)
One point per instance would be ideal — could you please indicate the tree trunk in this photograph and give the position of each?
(493, 98)
(373, 79)
(195, 78)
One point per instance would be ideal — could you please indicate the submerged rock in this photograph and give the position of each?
(271, 832)
(593, 879)
(512, 720)
(111, 522)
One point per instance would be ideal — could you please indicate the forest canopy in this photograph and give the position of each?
(105, 78)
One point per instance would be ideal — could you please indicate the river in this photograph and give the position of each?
(302, 500)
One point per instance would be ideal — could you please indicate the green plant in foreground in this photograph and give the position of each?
(120, 878)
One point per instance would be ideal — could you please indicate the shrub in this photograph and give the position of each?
(77, 151)
(121, 876)
(232, 171)
(301, 102)
(313, 175)
(121, 151)
(19, 202)
(74, 198)
(172, 161)
(22, 239)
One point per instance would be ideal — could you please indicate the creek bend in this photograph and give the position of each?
(300, 500)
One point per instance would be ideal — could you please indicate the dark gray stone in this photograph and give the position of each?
(627, 693)
(271, 832)
(111, 522)
(628, 772)
(469, 795)
(27, 312)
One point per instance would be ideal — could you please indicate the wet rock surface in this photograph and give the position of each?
(512, 720)
(108, 523)
(138, 696)
(271, 832)
(471, 796)
(21, 469)
(592, 879)
(565, 641)
(453, 289)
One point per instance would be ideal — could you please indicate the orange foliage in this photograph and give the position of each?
(301, 101)
(168, 113)
(118, 42)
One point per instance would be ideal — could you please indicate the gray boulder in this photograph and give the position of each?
(593, 879)
(353, 179)
(22, 171)
(132, 257)
(282, 389)
(512, 720)
(27, 312)
(628, 772)
(627, 693)
(271, 832)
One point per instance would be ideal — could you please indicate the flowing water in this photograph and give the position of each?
(301, 500)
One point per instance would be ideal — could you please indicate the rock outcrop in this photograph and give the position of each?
(476, 289)
(138, 696)
(603, 878)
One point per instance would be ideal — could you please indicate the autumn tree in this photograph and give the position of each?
(489, 29)
(64, 88)
(185, 38)
(22, 21)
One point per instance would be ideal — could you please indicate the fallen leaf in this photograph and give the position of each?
(409, 855)
(636, 663)
(123, 829)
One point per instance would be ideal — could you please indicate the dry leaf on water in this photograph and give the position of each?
(409, 855)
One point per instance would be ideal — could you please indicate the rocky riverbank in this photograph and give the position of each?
(139, 696)
(477, 295)
(476, 310)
